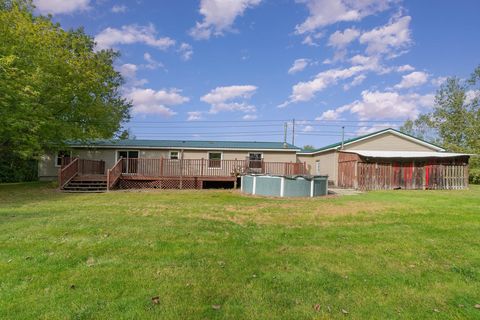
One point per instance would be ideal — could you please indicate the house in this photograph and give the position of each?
(165, 163)
(385, 159)
(388, 159)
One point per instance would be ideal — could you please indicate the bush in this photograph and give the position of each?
(14, 169)
(474, 176)
(474, 173)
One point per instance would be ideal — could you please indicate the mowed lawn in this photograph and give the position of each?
(216, 254)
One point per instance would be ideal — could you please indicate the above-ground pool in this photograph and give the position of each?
(285, 186)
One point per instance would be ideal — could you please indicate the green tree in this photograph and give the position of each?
(454, 121)
(54, 87)
(308, 147)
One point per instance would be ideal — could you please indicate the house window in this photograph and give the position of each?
(130, 164)
(255, 160)
(214, 159)
(174, 155)
(317, 167)
(63, 158)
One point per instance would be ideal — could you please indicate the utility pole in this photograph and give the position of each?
(293, 131)
(285, 128)
(343, 136)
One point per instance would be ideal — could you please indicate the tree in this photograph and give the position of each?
(54, 86)
(125, 135)
(308, 147)
(454, 122)
(455, 119)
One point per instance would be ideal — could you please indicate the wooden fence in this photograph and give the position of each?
(413, 175)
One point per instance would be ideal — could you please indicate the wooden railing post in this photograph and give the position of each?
(108, 179)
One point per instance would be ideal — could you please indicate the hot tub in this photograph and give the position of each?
(285, 186)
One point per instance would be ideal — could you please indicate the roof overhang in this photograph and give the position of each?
(406, 154)
(121, 147)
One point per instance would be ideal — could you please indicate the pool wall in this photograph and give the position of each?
(279, 186)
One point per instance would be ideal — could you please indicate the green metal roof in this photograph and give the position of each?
(338, 144)
(190, 144)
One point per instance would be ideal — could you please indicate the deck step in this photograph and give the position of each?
(88, 184)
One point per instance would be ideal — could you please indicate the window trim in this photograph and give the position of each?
(221, 158)
(170, 155)
(56, 157)
(261, 155)
(127, 151)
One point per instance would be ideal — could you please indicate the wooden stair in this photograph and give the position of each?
(87, 184)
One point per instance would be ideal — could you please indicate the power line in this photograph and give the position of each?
(298, 121)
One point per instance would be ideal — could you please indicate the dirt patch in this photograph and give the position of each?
(293, 214)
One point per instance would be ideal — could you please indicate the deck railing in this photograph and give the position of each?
(114, 174)
(86, 166)
(68, 172)
(207, 168)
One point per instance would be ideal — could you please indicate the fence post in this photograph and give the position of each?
(108, 179)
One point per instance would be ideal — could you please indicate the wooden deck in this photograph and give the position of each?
(170, 173)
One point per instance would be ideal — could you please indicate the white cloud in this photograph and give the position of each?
(308, 128)
(355, 82)
(128, 70)
(249, 117)
(385, 39)
(129, 73)
(61, 6)
(414, 79)
(152, 64)
(340, 39)
(119, 8)
(305, 91)
(130, 34)
(438, 81)
(186, 51)
(230, 98)
(367, 129)
(326, 12)
(149, 101)
(194, 115)
(311, 39)
(298, 65)
(388, 105)
(219, 16)
(329, 115)
(405, 68)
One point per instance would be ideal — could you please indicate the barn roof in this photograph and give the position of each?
(338, 145)
(406, 154)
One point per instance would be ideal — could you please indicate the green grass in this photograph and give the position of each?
(380, 255)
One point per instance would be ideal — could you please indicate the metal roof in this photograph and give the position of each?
(352, 140)
(186, 144)
(406, 154)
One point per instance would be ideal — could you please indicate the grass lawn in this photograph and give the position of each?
(218, 255)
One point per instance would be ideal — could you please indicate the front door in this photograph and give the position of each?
(131, 164)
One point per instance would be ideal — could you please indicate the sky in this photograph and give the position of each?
(240, 69)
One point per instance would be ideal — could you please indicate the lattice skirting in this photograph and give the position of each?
(159, 184)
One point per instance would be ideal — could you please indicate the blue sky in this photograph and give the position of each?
(237, 69)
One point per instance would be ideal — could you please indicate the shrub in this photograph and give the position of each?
(15, 169)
